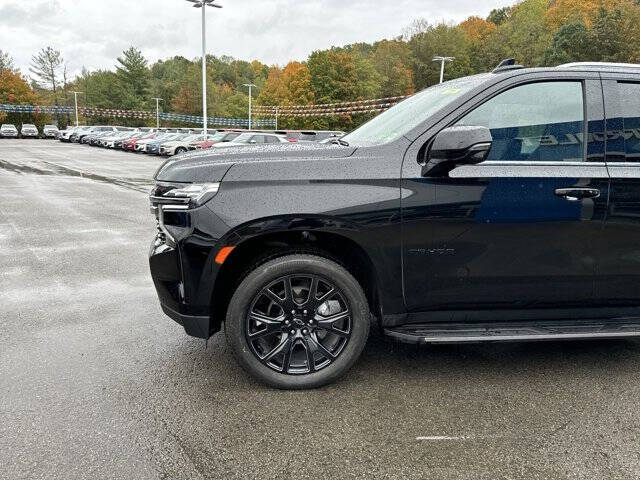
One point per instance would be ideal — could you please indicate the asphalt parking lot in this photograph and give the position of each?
(97, 383)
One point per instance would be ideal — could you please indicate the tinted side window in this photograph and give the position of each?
(272, 140)
(629, 94)
(258, 139)
(534, 122)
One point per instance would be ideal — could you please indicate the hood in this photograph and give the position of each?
(211, 165)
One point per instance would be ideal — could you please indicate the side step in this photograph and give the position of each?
(515, 331)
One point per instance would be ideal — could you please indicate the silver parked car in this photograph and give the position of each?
(50, 131)
(29, 130)
(8, 131)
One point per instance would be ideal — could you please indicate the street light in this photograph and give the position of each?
(250, 85)
(201, 4)
(158, 100)
(75, 96)
(442, 61)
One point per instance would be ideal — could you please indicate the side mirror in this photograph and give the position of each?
(456, 146)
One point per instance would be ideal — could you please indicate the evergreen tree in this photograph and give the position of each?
(134, 78)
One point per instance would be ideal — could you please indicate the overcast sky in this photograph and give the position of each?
(93, 33)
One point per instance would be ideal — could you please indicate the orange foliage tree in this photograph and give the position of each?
(562, 12)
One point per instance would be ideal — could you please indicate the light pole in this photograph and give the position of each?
(202, 4)
(158, 100)
(442, 61)
(250, 85)
(75, 97)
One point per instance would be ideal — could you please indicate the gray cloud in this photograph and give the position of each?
(92, 33)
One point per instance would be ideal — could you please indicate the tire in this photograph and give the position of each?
(309, 352)
(180, 150)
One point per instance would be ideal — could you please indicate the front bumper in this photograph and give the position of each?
(30, 134)
(182, 265)
(194, 326)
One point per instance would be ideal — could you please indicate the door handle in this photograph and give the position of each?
(577, 194)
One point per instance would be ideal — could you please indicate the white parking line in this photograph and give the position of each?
(439, 438)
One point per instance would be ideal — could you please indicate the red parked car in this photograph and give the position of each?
(220, 137)
(130, 144)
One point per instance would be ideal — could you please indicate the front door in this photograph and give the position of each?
(517, 230)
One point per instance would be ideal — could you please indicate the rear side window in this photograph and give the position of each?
(623, 134)
(535, 122)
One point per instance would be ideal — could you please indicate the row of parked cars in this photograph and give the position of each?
(28, 130)
(174, 141)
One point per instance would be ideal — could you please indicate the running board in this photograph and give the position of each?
(516, 331)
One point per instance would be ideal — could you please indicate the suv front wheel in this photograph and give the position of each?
(298, 321)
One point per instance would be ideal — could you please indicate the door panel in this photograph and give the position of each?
(619, 273)
(502, 234)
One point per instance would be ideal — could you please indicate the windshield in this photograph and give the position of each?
(405, 116)
(243, 138)
(217, 137)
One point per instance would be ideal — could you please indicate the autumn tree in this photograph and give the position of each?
(393, 60)
(15, 90)
(564, 12)
(570, 44)
(480, 35)
(614, 36)
(440, 39)
(498, 16)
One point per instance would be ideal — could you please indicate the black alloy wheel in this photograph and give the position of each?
(298, 324)
(298, 321)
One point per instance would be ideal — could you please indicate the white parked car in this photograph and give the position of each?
(254, 138)
(143, 145)
(179, 145)
(65, 135)
(8, 131)
(110, 140)
(50, 131)
(29, 130)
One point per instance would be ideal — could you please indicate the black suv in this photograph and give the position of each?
(498, 207)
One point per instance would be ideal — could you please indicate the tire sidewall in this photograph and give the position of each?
(264, 274)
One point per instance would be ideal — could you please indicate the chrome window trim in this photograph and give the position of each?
(533, 163)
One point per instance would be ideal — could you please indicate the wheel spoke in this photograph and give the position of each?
(288, 290)
(325, 296)
(313, 291)
(335, 331)
(327, 322)
(270, 329)
(283, 345)
(309, 349)
(288, 350)
(258, 317)
(317, 346)
(274, 298)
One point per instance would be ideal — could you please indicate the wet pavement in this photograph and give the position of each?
(95, 382)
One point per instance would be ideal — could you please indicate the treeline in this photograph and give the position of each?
(535, 32)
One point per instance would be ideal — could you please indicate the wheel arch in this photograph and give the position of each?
(258, 249)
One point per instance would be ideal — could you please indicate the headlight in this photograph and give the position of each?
(183, 196)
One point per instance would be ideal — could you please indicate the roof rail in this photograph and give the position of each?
(506, 65)
(634, 66)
